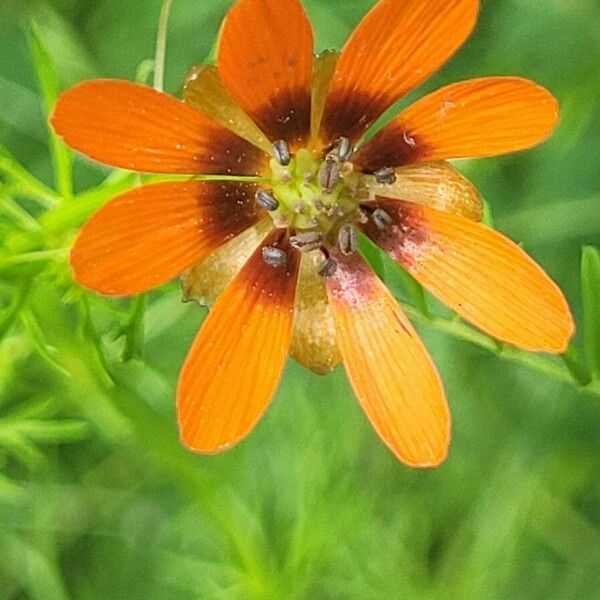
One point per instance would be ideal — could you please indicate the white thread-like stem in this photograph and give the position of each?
(161, 46)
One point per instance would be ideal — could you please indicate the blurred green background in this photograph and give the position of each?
(97, 498)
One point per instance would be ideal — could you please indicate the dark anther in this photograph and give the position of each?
(381, 218)
(327, 268)
(345, 148)
(329, 174)
(306, 241)
(265, 199)
(347, 239)
(282, 152)
(385, 175)
(275, 257)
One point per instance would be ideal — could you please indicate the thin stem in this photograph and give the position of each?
(544, 364)
(30, 257)
(161, 46)
(28, 185)
(19, 215)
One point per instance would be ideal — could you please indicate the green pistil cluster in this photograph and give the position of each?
(304, 204)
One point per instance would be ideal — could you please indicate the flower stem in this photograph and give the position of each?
(161, 46)
(545, 364)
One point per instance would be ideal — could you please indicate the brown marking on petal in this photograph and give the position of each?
(406, 235)
(286, 117)
(349, 117)
(230, 154)
(390, 149)
(231, 208)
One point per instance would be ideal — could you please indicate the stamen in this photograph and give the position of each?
(385, 175)
(327, 268)
(329, 174)
(381, 219)
(362, 217)
(345, 149)
(265, 199)
(274, 257)
(347, 239)
(346, 169)
(282, 152)
(307, 241)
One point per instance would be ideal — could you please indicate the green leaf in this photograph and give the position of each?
(373, 255)
(590, 291)
(37, 576)
(9, 315)
(62, 158)
(20, 447)
(18, 216)
(413, 288)
(9, 490)
(42, 431)
(36, 335)
(87, 331)
(133, 329)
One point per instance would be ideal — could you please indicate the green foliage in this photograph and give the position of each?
(97, 497)
(590, 289)
(49, 90)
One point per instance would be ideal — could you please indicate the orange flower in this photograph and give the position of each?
(277, 257)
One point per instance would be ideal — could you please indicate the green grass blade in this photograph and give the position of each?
(26, 184)
(590, 290)
(62, 158)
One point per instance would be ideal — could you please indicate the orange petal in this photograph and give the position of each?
(397, 46)
(205, 92)
(151, 234)
(265, 60)
(235, 363)
(476, 118)
(436, 184)
(476, 271)
(392, 375)
(132, 126)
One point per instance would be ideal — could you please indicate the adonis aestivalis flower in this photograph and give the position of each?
(271, 244)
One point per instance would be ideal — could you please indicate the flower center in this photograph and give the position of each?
(313, 195)
(317, 199)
